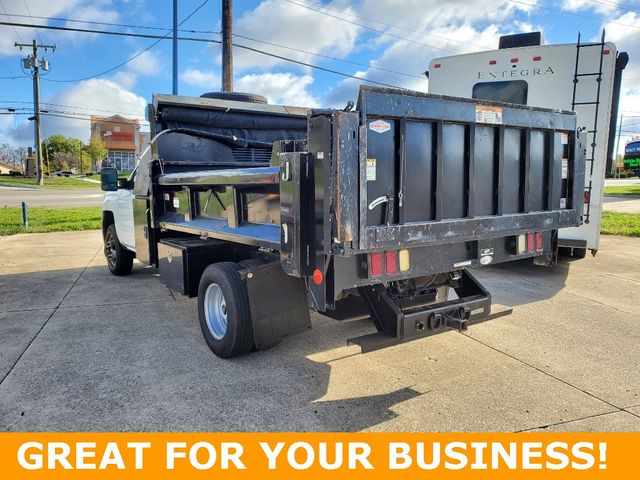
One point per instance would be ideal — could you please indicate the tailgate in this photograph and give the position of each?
(434, 170)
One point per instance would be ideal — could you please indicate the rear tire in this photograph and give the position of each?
(223, 310)
(579, 252)
(119, 259)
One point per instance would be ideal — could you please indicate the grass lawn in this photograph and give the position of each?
(43, 219)
(59, 183)
(615, 223)
(622, 190)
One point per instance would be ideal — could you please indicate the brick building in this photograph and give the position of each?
(123, 139)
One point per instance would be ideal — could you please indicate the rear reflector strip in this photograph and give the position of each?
(404, 260)
(539, 241)
(375, 264)
(391, 262)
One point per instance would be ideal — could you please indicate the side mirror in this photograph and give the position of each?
(109, 179)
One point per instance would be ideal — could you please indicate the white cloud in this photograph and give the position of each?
(146, 63)
(90, 97)
(89, 10)
(199, 78)
(279, 88)
(283, 23)
(603, 8)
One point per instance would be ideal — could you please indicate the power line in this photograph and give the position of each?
(324, 7)
(382, 32)
(564, 12)
(329, 57)
(204, 40)
(121, 64)
(29, 12)
(380, 68)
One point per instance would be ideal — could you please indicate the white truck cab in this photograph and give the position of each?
(117, 221)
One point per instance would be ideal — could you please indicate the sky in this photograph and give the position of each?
(387, 41)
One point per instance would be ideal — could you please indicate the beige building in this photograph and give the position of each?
(123, 139)
(5, 168)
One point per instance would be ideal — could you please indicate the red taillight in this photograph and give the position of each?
(391, 261)
(606, 52)
(514, 60)
(492, 62)
(317, 277)
(375, 264)
(539, 241)
(531, 243)
(586, 197)
(537, 58)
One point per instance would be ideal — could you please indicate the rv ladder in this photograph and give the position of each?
(596, 102)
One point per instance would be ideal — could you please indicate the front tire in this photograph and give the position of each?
(223, 310)
(119, 259)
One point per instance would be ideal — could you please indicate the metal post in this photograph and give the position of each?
(615, 155)
(175, 47)
(227, 46)
(25, 215)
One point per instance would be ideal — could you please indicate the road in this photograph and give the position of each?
(83, 350)
(13, 196)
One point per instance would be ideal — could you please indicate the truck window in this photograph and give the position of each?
(514, 91)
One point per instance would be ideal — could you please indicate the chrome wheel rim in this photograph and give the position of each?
(110, 250)
(215, 311)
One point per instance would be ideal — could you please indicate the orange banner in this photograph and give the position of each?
(318, 456)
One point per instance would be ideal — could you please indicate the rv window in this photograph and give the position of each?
(512, 92)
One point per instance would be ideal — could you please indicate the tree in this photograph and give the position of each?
(96, 150)
(63, 152)
(13, 156)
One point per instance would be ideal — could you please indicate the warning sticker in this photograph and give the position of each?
(176, 202)
(380, 126)
(486, 114)
(371, 169)
(565, 168)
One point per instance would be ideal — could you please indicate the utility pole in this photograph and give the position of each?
(227, 46)
(32, 62)
(175, 47)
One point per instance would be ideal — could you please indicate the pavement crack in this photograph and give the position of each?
(545, 373)
(49, 317)
(569, 421)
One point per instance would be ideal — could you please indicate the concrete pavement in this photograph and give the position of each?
(83, 350)
(84, 197)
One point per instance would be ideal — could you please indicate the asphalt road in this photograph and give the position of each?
(83, 350)
(14, 196)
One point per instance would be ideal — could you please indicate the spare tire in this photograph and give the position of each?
(236, 97)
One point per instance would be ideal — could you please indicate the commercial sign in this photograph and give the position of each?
(632, 148)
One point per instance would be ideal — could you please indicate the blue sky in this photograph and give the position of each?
(389, 41)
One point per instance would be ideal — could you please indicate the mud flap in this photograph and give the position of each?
(278, 303)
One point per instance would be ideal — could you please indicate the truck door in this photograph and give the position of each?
(124, 215)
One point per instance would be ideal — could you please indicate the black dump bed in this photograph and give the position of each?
(404, 170)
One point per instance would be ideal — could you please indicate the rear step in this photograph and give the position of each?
(472, 306)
